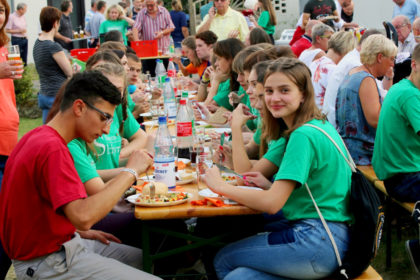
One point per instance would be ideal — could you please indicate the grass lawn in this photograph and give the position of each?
(27, 124)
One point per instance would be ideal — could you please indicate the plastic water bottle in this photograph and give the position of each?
(169, 100)
(184, 95)
(171, 46)
(184, 135)
(160, 72)
(171, 69)
(164, 155)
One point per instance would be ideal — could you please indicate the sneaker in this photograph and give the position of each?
(413, 250)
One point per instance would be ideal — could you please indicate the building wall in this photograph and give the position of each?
(369, 14)
(288, 12)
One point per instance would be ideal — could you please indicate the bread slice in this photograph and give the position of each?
(217, 117)
(160, 189)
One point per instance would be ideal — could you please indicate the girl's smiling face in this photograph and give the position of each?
(255, 92)
(282, 97)
(251, 90)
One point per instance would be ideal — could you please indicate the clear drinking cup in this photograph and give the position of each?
(155, 109)
(14, 55)
(204, 162)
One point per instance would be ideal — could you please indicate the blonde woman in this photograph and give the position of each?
(338, 46)
(358, 100)
(116, 20)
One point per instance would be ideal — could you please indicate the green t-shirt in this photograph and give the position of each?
(251, 124)
(312, 158)
(120, 25)
(222, 95)
(275, 151)
(397, 144)
(108, 146)
(130, 103)
(264, 22)
(257, 136)
(84, 162)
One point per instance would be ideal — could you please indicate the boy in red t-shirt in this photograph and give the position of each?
(45, 214)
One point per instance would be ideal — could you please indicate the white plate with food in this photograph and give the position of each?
(155, 123)
(219, 130)
(209, 193)
(147, 115)
(182, 177)
(171, 198)
(185, 160)
(229, 178)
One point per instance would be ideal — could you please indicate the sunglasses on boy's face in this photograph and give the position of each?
(107, 118)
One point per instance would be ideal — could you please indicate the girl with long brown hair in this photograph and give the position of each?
(267, 19)
(298, 248)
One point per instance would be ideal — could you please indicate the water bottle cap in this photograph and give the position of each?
(171, 59)
(185, 94)
(167, 79)
(157, 60)
(183, 102)
(162, 120)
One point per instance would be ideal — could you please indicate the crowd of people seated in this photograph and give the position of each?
(61, 212)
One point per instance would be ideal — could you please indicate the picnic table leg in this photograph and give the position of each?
(145, 240)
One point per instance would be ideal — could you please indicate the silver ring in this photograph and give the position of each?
(13, 73)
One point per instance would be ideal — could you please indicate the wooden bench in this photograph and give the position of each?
(369, 274)
(369, 173)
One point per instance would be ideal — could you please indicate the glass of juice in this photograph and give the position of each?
(14, 54)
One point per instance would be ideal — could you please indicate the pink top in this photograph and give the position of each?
(17, 22)
(148, 26)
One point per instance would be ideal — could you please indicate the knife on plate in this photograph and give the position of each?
(227, 170)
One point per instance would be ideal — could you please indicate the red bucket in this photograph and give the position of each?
(145, 48)
(82, 54)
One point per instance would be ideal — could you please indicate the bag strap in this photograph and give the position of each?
(349, 160)
(352, 165)
(327, 229)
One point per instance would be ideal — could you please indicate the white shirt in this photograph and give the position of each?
(408, 45)
(321, 69)
(349, 61)
(307, 56)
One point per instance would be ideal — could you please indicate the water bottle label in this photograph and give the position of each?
(172, 73)
(183, 129)
(170, 108)
(165, 171)
(161, 79)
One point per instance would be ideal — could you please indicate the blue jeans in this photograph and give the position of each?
(404, 186)
(45, 102)
(301, 250)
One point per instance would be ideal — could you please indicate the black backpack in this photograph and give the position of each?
(366, 232)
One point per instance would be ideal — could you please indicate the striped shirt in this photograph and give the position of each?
(51, 76)
(149, 26)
